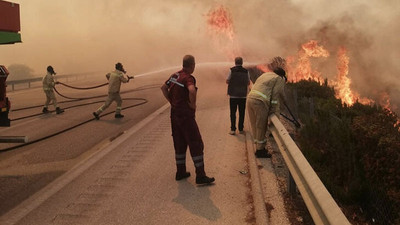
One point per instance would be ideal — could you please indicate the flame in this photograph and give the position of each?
(221, 30)
(303, 70)
(343, 83)
(262, 67)
(343, 90)
(384, 101)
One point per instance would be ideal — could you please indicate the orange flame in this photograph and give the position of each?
(384, 101)
(343, 90)
(221, 29)
(342, 85)
(262, 67)
(303, 70)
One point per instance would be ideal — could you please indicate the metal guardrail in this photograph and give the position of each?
(320, 204)
(12, 83)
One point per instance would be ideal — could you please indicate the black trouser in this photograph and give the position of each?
(234, 104)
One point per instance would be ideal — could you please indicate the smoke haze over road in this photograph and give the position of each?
(145, 35)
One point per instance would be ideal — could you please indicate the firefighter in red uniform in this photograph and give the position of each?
(180, 90)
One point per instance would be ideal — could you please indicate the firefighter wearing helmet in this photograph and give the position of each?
(48, 88)
(115, 79)
(265, 99)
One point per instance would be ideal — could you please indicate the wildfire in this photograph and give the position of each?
(221, 30)
(343, 90)
(384, 101)
(303, 71)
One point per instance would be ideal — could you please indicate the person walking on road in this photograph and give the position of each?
(180, 90)
(264, 99)
(115, 79)
(48, 88)
(238, 85)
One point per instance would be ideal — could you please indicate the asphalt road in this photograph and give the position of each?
(27, 169)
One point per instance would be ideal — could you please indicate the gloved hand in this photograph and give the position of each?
(57, 82)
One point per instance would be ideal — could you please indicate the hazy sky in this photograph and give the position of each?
(145, 35)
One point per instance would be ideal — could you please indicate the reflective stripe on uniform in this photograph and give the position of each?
(197, 157)
(179, 162)
(260, 142)
(199, 164)
(175, 80)
(198, 160)
(119, 107)
(180, 156)
(260, 94)
(264, 96)
(180, 159)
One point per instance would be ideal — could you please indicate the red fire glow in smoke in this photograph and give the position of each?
(221, 30)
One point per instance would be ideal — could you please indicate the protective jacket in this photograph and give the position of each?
(269, 88)
(114, 81)
(48, 82)
(238, 82)
(178, 84)
(185, 131)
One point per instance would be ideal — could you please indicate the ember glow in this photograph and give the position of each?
(221, 30)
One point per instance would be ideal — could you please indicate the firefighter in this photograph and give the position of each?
(48, 88)
(263, 100)
(180, 90)
(114, 85)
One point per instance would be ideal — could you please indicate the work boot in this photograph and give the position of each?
(59, 110)
(204, 180)
(241, 131)
(45, 110)
(179, 176)
(232, 132)
(97, 116)
(262, 153)
(119, 115)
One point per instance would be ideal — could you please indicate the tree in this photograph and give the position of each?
(20, 72)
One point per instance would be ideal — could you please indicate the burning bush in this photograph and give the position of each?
(354, 149)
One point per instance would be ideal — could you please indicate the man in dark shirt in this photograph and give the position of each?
(180, 90)
(238, 82)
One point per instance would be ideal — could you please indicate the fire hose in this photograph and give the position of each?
(143, 101)
(80, 99)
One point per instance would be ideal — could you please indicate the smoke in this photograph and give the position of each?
(368, 29)
(145, 35)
